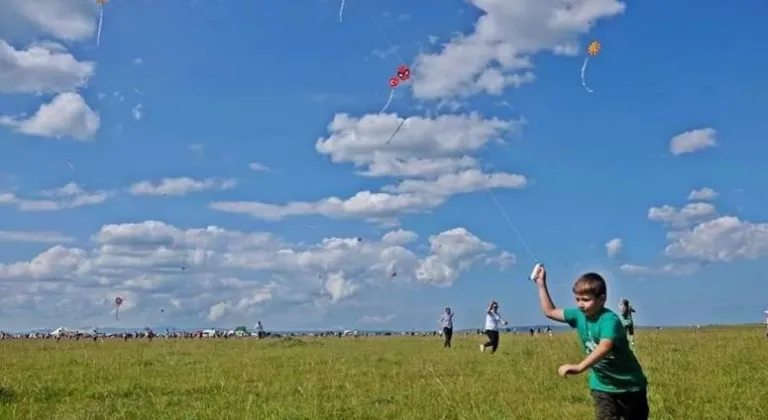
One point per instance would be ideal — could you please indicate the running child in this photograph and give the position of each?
(616, 380)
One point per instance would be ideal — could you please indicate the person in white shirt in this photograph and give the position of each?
(446, 323)
(492, 321)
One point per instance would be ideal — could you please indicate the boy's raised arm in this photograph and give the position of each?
(547, 306)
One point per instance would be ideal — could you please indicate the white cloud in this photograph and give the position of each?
(422, 146)
(688, 214)
(137, 112)
(41, 68)
(693, 141)
(69, 196)
(181, 186)
(452, 245)
(364, 204)
(69, 20)
(67, 115)
(417, 167)
(34, 237)
(697, 236)
(220, 275)
(614, 247)
(704, 194)
(498, 53)
(504, 260)
(723, 239)
(399, 237)
(459, 183)
(255, 166)
(669, 269)
(432, 152)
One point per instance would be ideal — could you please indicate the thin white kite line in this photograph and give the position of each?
(389, 100)
(101, 19)
(386, 38)
(341, 10)
(583, 79)
(512, 225)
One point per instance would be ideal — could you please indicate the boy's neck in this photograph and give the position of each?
(596, 313)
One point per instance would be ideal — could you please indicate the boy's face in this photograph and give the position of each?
(590, 304)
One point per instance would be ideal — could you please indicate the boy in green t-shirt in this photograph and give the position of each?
(616, 379)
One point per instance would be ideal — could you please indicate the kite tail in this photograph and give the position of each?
(583, 79)
(117, 314)
(341, 10)
(389, 101)
(101, 19)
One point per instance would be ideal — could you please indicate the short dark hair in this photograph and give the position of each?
(590, 284)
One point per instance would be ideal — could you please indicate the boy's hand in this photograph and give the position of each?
(566, 370)
(541, 276)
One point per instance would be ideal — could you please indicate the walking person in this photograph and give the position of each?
(625, 311)
(260, 330)
(446, 323)
(492, 322)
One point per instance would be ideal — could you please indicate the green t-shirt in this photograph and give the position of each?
(619, 371)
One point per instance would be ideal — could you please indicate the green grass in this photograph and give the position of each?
(715, 374)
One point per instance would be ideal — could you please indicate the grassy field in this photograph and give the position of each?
(714, 374)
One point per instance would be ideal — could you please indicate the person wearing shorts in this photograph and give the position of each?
(617, 383)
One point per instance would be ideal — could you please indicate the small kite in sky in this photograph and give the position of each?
(101, 19)
(592, 50)
(118, 303)
(403, 75)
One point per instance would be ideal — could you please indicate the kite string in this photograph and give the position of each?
(389, 100)
(386, 38)
(397, 54)
(583, 75)
(101, 19)
(512, 225)
(394, 133)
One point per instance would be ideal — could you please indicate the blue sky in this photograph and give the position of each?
(236, 103)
